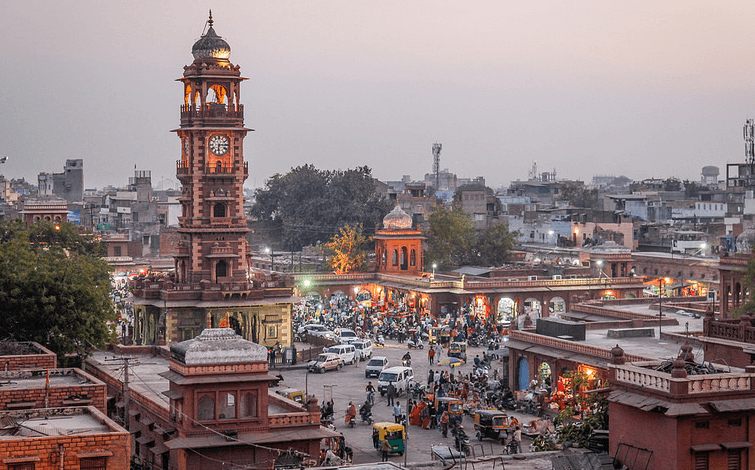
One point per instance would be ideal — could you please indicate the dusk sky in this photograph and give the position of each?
(640, 89)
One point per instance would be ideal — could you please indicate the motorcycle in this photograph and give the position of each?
(461, 441)
(406, 362)
(367, 418)
(371, 397)
(415, 344)
(379, 341)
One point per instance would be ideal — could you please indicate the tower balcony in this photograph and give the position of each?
(224, 169)
(212, 114)
(182, 168)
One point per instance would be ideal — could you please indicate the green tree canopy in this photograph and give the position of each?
(578, 195)
(308, 205)
(450, 237)
(54, 287)
(493, 247)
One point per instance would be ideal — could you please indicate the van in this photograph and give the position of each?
(402, 378)
(363, 348)
(346, 336)
(376, 365)
(347, 352)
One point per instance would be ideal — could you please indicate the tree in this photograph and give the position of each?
(309, 205)
(493, 247)
(346, 250)
(579, 196)
(450, 237)
(54, 287)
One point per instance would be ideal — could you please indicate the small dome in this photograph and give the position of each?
(746, 241)
(218, 346)
(397, 219)
(210, 45)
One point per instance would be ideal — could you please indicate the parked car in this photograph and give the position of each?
(402, 378)
(347, 336)
(347, 352)
(375, 366)
(364, 349)
(325, 362)
(321, 331)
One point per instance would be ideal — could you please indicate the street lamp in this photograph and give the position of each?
(660, 307)
(434, 267)
(269, 251)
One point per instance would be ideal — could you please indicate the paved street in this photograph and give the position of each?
(349, 384)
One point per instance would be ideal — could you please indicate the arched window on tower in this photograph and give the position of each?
(216, 94)
(187, 95)
(218, 210)
(385, 258)
(404, 259)
(395, 257)
(413, 258)
(221, 269)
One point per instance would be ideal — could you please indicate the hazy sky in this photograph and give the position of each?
(640, 88)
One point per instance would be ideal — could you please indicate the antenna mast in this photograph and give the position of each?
(749, 136)
(436, 164)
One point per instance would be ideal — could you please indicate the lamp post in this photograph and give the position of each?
(269, 251)
(660, 307)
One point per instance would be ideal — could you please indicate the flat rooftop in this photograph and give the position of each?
(28, 379)
(54, 422)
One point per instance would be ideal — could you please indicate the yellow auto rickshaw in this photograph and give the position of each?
(458, 349)
(454, 406)
(292, 394)
(394, 433)
(492, 424)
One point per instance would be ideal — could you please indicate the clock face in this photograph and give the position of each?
(219, 144)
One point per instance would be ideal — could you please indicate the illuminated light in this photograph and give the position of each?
(307, 282)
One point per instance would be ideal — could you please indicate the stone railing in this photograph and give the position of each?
(644, 378)
(718, 383)
(732, 330)
(293, 419)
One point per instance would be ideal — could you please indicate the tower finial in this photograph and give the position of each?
(210, 20)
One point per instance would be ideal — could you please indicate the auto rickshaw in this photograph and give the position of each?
(491, 424)
(394, 433)
(458, 349)
(292, 394)
(445, 335)
(454, 406)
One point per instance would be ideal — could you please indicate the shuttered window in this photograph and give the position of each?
(734, 460)
(701, 461)
(93, 463)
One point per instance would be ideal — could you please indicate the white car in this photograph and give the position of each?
(375, 366)
(364, 348)
(319, 330)
(347, 336)
(347, 352)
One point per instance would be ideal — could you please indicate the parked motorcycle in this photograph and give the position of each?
(415, 344)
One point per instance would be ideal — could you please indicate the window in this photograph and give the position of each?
(702, 461)
(219, 210)
(395, 257)
(227, 405)
(21, 466)
(272, 332)
(221, 269)
(206, 407)
(93, 463)
(734, 460)
(413, 258)
(248, 405)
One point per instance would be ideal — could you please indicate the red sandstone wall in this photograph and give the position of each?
(645, 430)
(56, 396)
(46, 359)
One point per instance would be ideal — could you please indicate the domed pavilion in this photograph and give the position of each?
(398, 245)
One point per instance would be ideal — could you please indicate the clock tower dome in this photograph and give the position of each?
(212, 171)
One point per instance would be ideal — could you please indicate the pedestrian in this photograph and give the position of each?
(518, 439)
(293, 354)
(431, 355)
(391, 392)
(397, 412)
(444, 419)
(438, 350)
(385, 447)
(272, 358)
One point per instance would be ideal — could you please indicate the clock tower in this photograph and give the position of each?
(212, 171)
(212, 286)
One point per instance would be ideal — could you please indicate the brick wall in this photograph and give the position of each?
(45, 452)
(92, 393)
(44, 359)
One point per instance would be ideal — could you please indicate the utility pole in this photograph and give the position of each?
(126, 392)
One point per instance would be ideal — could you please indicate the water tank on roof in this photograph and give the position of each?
(710, 171)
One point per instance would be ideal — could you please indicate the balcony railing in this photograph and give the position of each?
(211, 113)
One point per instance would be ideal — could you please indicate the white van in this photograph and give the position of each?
(402, 378)
(346, 336)
(364, 349)
(346, 351)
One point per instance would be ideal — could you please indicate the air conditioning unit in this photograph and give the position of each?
(513, 279)
(532, 278)
(556, 277)
(573, 276)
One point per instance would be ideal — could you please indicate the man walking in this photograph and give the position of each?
(391, 392)
(397, 412)
(431, 355)
(385, 447)
(518, 439)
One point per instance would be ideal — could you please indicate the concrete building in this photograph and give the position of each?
(70, 183)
